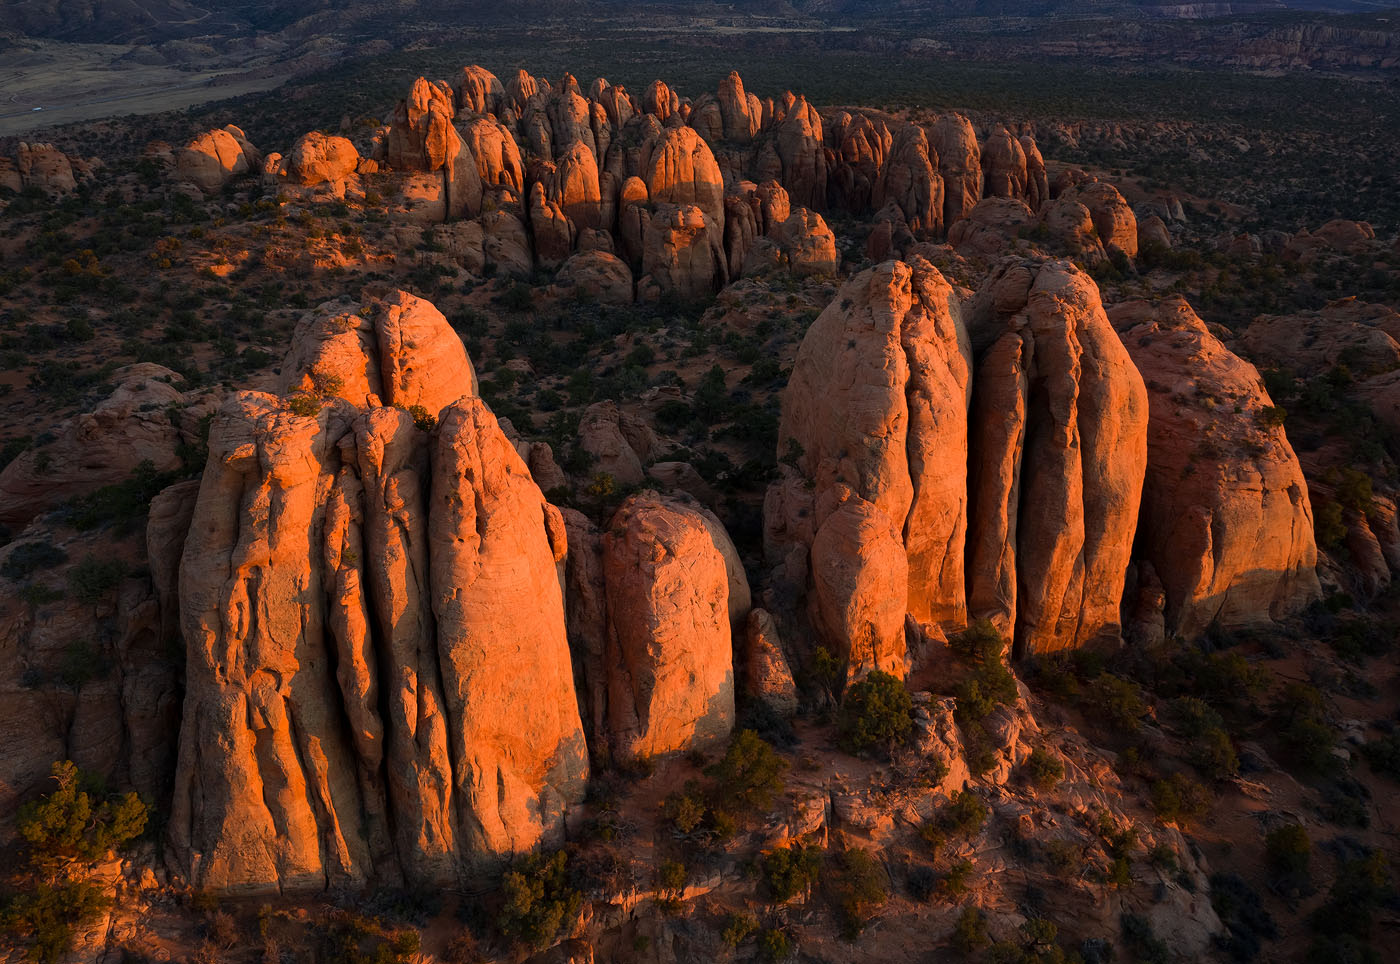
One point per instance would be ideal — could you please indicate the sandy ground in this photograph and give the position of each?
(79, 82)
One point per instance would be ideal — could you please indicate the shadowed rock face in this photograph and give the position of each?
(1226, 520)
(874, 428)
(379, 685)
(1059, 440)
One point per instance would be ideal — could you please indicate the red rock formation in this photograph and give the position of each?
(799, 148)
(1003, 165)
(991, 227)
(422, 138)
(553, 233)
(46, 168)
(596, 275)
(806, 242)
(214, 158)
(1113, 218)
(959, 164)
(317, 158)
(478, 91)
(680, 255)
(356, 707)
(741, 113)
(911, 181)
(1059, 436)
(660, 101)
(1226, 520)
(496, 154)
(103, 447)
(670, 666)
(875, 419)
(515, 736)
(859, 148)
(1037, 182)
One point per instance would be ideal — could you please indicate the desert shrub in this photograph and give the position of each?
(1140, 940)
(27, 558)
(1213, 754)
(1119, 702)
(1194, 717)
(1342, 926)
(93, 578)
(962, 817)
(540, 898)
(750, 774)
(670, 886)
(738, 928)
(970, 931)
(1301, 722)
(304, 404)
(1044, 769)
(921, 883)
(121, 505)
(1288, 851)
(858, 887)
(1328, 526)
(774, 944)
(1247, 923)
(685, 811)
(65, 833)
(1179, 799)
(518, 297)
(422, 418)
(957, 880)
(876, 713)
(990, 684)
(791, 871)
(1384, 755)
(350, 937)
(47, 916)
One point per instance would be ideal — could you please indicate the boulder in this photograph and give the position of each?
(317, 158)
(214, 158)
(596, 275)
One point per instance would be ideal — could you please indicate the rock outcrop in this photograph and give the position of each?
(1059, 442)
(671, 663)
(869, 519)
(133, 430)
(318, 158)
(358, 705)
(214, 158)
(1226, 520)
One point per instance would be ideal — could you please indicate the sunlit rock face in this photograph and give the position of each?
(1226, 521)
(1059, 441)
(868, 521)
(379, 683)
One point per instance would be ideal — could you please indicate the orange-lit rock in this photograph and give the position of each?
(1063, 491)
(1226, 519)
(875, 419)
(671, 672)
